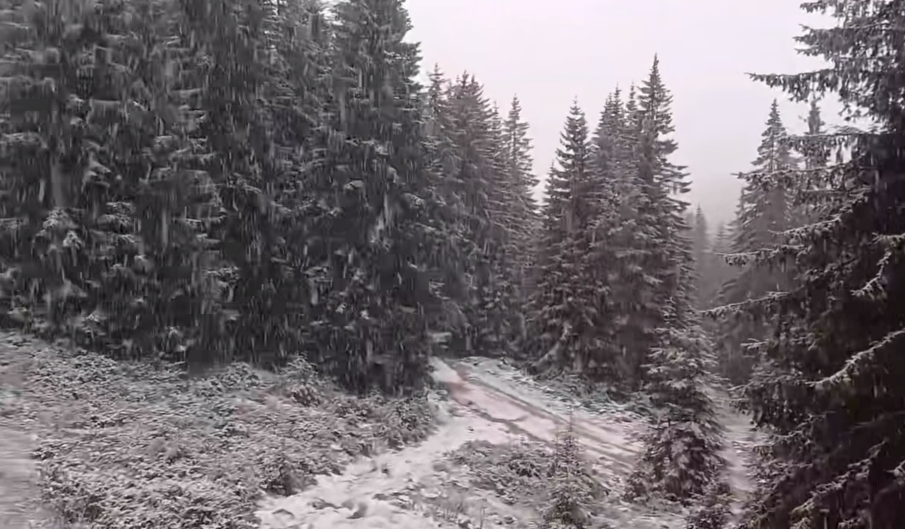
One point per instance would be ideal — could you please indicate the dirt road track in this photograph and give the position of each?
(19, 493)
(605, 443)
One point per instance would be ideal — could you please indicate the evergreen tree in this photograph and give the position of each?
(231, 39)
(761, 216)
(610, 262)
(680, 457)
(107, 203)
(500, 326)
(681, 451)
(570, 487)
(519, 172)
(714, 511)
(377, 238)
(664, 183)
(443, 160)
(226, 180)
(478, 185)
(720, 272)
(700, 247)
(816, 152)
(562, 319)
(831, 388)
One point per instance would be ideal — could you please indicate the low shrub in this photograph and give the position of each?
(125, 445)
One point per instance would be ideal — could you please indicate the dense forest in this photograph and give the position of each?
(201, 182)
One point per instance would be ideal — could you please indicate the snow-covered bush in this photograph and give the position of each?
(714, 511)
(406, 421)
(129, 446)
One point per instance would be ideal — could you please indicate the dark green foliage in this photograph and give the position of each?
(372, 240)
(483, 164)
(106, 238)
(207, 180)
(831, 387)
(714, 512)
(761, 216)
(703, 261)
(681, 451)
(563, 309)
(525, 217)
(680, 457)
(620, 248)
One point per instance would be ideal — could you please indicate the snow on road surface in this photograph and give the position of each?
(19, 508)
(376, 493)
(416, 487)
(740, 440)
(17, 478)
(489, 401)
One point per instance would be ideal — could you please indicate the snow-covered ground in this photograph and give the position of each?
(19, 505)
(17, 478)
(416, 488)
(420, 487)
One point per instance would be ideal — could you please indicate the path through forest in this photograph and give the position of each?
(492, 402)
(416, 487)
(19, 495)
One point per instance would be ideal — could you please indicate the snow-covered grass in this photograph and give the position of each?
(124, 445)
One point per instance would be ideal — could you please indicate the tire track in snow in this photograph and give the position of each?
(385, 491)
(607, 444)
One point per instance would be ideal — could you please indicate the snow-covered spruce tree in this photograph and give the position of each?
(477, 140)
(609, 263)
(833, 397)
(816, 157)
(681, 451)
(658, 253)
(506, 217)
(563, 311)
(244, 126)
(720, 271)
(632, 294)
(571, 488)
(664, 184)
(761, 216)
(714, 510)
(105, 198)
(680, 456)
(443, 159)
(519, 171)
(816, 153)
(376, 236)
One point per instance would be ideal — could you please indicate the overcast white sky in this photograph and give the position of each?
(551, 52)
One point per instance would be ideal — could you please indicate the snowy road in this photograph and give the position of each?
(19, 493)
(489, 402)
